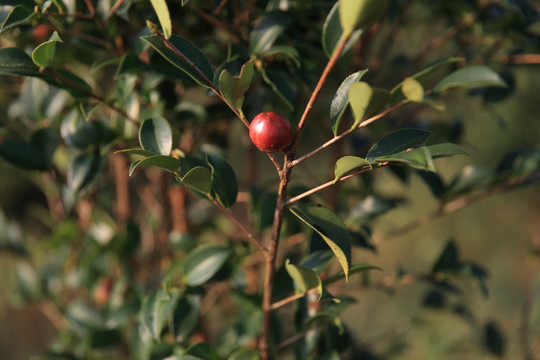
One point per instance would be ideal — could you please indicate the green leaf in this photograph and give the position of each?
(166, 162)
(19, 15)
(470, 77)
(445, 149)
(155, 135)
(318, 261)
(355, 269)
(162, 11)
(288, 51)
(397, 95)
(14, 61)
(186, 316)
(204, 262)
(359, 96)
(157, 308)
(341, 100)
(202, 351)
(281, 84)
(332, 33)
(224, 184)
(136, 151)
(192, 57)
(413, 90)
(266, 32)
(23, 155)
(349, 164)
(360, 14)
(307, 279)
(369, 209)
(198, 178)
(244, 354)
(419, 158)
(397, 141)
(379, 100)
(43, 54)
(233, 88)
(470, 178)
(83, 171)
(330, 227)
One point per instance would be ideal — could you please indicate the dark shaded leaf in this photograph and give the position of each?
(397, 141)
(169, 163)
(448, 259)
(157, 307)
(23, 155)
(19, 15)
(224, 183)
(266, 32)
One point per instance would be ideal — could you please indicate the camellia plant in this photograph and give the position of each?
(181, 153)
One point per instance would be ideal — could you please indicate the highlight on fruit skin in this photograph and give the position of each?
(270, 132)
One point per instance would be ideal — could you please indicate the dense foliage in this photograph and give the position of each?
(144, 224)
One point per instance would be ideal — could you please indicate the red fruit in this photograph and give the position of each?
(42, 33)
(270, 132)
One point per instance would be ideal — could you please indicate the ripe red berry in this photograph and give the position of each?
(270, 132)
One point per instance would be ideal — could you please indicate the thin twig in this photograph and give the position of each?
(324, 186)
(345, 133)
(113, 11)
(317, 90)
(241, 226)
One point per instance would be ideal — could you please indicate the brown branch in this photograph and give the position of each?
(317, 90)
(113, 11)
(346, 132)
(324, 186)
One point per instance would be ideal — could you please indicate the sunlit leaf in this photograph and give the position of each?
(359, 96)
(166, 162)
(349, 164)
(233, 88)
(204, 262)
(341, 99)
(155, 135)
(413, 90)
(360, 14)
(470, 77)
(162, 11)
(330, 227)
(43, 54)
(307, 279)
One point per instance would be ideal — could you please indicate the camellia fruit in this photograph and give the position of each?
(270, 132)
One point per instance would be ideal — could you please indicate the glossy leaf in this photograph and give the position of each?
(76, 86)
(349, 164)
(318, 261)
(43, 54)
(370, 208)
(204, 262)
(332, 33)
(280, 83)
(330, 227)
(192, 57)
(266, 32)
(233, 88)
(162, 11)
(359, 96)
(166, 162)
(157, 308)
(397, 141)
(419, 158)
(470, 178)
(19, 15)
(360, 14)
(413, 90)
(136, 151)
(470, 77)
(155, 135)
(224, 184)
(83, 171)
(244, 354)
(14, 61)
(198, 178)
(23, 155)
(284, 50)
(397, 94)
(341, 99)
(306, 279)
